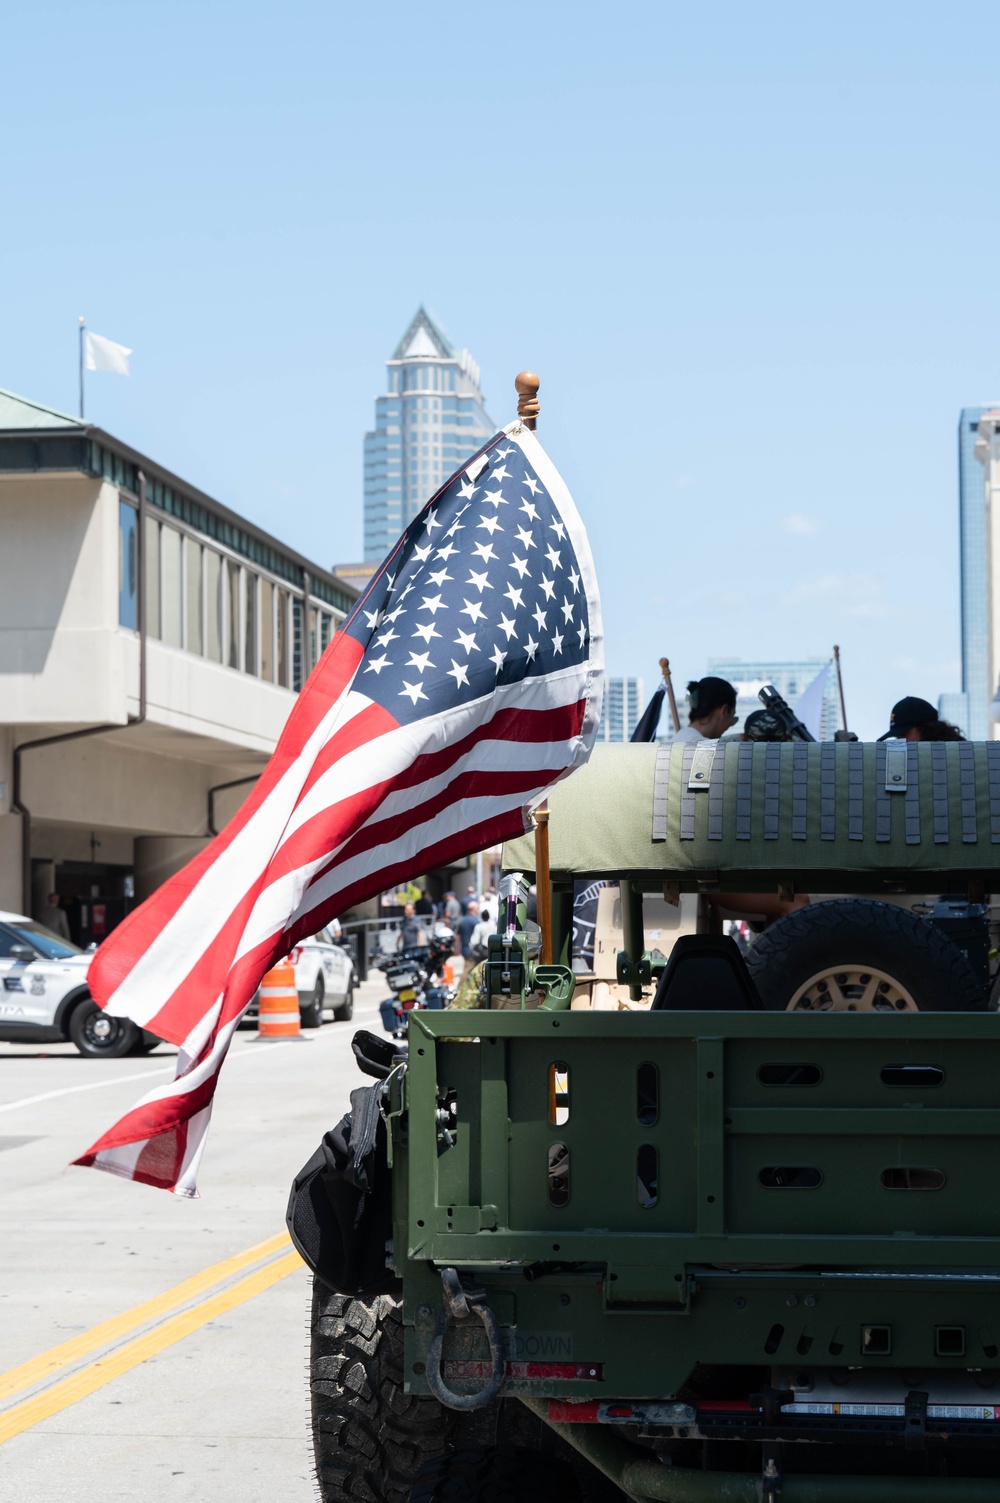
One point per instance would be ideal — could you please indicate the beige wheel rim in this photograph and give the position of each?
(852, 988)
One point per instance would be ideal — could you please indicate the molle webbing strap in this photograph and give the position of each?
(828, 790)
(967, 786)
(939, 791)
(772, 788)
(716, 789)
(661, 784)
(883, 800)
(911, 797)
(800, 788)
(687, 794)
(744, 789)
(993, 776)
(855, 791)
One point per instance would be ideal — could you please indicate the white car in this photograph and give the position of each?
(324, 980)
(44, 997)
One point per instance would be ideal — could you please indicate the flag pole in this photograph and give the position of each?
(840, 686)
(81, 323)
(526, 385)
(665, 670)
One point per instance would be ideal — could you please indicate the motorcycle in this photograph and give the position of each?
(412, 976)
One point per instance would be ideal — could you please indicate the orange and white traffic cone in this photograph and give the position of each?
(278, 1008)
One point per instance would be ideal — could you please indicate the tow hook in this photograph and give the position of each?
(458, 1303)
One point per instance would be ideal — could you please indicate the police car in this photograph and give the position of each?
(324, 979)
(44, 997)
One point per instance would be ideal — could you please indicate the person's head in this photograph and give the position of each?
(914, 719)
(473, 907)
(470, 889)
(713, 706)
(53, 900)
(486, 916)
(762, 725)
(408, 910)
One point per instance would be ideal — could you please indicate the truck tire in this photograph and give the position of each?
(860, 955)
(344, 1011)
(495, 1475)
(369, 1437)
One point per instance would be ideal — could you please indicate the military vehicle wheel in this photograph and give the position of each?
(495, 1475)
(860, 955)
(369, 1437)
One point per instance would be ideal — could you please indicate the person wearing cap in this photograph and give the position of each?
(713, 710)
(913, 719)
(763, 725)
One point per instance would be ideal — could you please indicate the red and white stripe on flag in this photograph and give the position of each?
(436, 718)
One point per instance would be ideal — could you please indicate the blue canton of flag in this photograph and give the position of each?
(483, 589)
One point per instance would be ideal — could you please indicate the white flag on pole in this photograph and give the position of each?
(104, 355)
(809, 705)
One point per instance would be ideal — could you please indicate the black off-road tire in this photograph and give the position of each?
(858, 932)
(369, 1437)
(495, 1475)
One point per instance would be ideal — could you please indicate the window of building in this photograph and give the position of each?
(152, 576)
(233, 633)
(250, 654)
(192, 596)
(128, 566)
(325, 631)
(171, 589)
(267, 593)
(213, 605)
(283, 677)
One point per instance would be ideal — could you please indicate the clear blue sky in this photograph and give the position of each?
(751, 250)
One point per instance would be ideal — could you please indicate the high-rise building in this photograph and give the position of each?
(789, 678)
(430, 419)
(621, 709)
(970, 710)
(987, 455)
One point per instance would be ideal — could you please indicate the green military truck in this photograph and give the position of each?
(715, 1245)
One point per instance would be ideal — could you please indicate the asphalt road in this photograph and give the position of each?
(200, 1397)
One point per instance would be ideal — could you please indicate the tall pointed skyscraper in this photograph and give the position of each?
(430, 419)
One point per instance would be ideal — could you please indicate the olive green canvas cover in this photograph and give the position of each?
(826, 816)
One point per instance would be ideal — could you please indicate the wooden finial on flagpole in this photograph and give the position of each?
(526, 385)
(668, 681)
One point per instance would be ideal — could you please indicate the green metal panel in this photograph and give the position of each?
(817, 815)
(722, 1260)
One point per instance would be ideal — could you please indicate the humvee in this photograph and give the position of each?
(738, 1240)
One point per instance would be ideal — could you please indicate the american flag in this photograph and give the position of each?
(466, 681)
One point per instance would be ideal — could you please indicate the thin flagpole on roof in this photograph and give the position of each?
(80, 321)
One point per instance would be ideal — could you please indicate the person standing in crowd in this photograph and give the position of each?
(481, 934)
(470, 897)
(452, 909)
(713, 710)
(466, 928)
(913, 719)
(54, 917)
(411, 935)
(424, 908)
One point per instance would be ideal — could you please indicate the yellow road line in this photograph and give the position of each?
(111, 1366)
(46, 1363)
